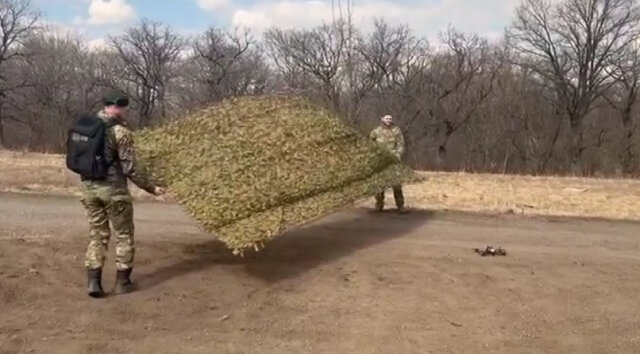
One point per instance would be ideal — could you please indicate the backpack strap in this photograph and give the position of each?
(111, 123)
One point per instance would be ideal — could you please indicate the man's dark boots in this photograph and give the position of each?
(94, 286)
(123, 282)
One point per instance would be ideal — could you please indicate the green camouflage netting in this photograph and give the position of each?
(251, 168)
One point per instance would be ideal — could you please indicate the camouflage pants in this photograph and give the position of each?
(100, 211)
(397, 195)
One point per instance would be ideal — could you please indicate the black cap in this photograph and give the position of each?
(115, 97)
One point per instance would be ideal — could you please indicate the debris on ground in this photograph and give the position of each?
(490, 251)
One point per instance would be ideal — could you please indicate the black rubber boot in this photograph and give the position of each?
(94, 284)
(399, 197)
(379, 202)
(123, 282)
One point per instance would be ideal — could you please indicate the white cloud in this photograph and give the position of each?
(97, 44)
(426, 17)
(213, 5)
(108, 12)
(283, 14)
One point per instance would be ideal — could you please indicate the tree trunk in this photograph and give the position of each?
(627, 155)
(577, 145)
(444, 143)
(548, 156)
(443, 149)
(442, 156)
(2, 141)
(2, 137)
(163, 105)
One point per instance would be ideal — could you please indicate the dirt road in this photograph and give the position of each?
(357, 282)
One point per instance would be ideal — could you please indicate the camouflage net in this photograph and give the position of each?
(251, 168)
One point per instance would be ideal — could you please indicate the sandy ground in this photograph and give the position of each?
(355, 282)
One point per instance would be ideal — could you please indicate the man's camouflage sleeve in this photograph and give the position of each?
(399, 143)
(128, 160)
(373, 135)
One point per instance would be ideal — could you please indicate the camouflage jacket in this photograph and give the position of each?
(391, 138)
(120, 151)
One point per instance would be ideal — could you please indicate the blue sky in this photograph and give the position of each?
(95, 19)
(179, 13)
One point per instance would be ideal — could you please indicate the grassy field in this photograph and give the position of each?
(543, 196)
(483, 193)
(26, 172)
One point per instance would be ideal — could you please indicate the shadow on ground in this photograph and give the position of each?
(297, 251)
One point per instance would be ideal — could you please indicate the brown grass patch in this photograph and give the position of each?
(29, 172)
(34, 172)
(617, 199)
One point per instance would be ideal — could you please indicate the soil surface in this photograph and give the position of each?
(355, 282)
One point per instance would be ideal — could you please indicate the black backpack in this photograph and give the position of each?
(86, 145)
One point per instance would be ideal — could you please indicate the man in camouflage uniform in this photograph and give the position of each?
(390, 136)
(109, 200)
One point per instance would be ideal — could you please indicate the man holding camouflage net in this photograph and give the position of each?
(108, 199)
(390, 136)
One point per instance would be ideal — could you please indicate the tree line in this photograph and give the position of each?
(557, 94)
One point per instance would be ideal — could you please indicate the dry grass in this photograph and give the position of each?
(31, 172)
(617, 199)
(27, 172)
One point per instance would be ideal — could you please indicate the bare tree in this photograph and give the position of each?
(528, 125)
(389, 60)
(388, 53)
(148, 54)
(59, 87)
(566, 80)
(18, 20)
(461, 80)
(228, 64)
(319, 53)
(623, 97)
(570, 47)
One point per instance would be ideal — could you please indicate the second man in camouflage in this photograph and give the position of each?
(390, 136)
